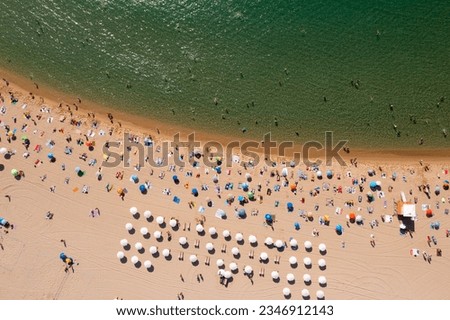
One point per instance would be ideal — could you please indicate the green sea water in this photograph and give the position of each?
(292, 67)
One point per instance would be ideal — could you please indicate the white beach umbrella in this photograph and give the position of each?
(322, 280)
(129, 226)
(166, 252)
(134, 259)
(306, 277)
(3, 150)
(275, 275)
(193, 258)
(147, 264)
(138, 246)
(227, 274)
(219, 263)
(285, 172)
(235, 251)
(182, 240)
(212, 231)
(159, 219)
(293, 260)
(322, 263)
(268, 241)
(199, 228)
(120, 255)
(221, 272)
(124, 242)
(264, 256)
(144, 231)
(308, 245)
(173, 223)
(279, 244)
(359, 218)
(293, 243)
(290, 277)
(320, 294)
(252, 239)
(147, 214)
(226, 233)
(248, 269)
(286, 291)
(153, 250)
(209, 246)
(322, 247)
(239, 236)
(157, 234)
(133, 210)
(319, 173)
(233, 266)
(307, 261)
(305, 293)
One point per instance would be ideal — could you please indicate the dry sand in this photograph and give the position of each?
(30, 267)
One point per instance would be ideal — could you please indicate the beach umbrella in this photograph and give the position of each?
(182, 240)
(219, 263)
(275, 275)
(306, 278)
(322, 280)
(252, 239)
(175, 179)
(297, 226)
(244, 186)
(352, 217)
(124, 242)
(241, 213)
(134, 259)
(199, 228)
(402, 226)
(3, 150)
(194, 192)
(290, 207)
(14, 172)
(293, 260)
(248, 176)
(138, 246)
(226, 233)
(120, 255)
(147, 264)
(309, 215)
(268, 218)
(173, 223)
(147, 214)
(153, 250)
(129, 226)
(251, 196)
(227, 274)
(193, 258)
(134, 178)
(284, 172)
(235, 251)
(322, 263)
(429, 213)
(142, 188)
(239, 236)
(144, 231)
(308, 245)
(322, 247)
(221, 272)
(319, 174)
(268, 241)
(157, 234)
(307, 261)
(378, 183)
(279, 244)
(50, 156)
(320, 294)
(212, 231)
(209, 246)
(248, 269)
(233, 266)
(329, 174)
(133, 210)
(373, 185)
(166, 252)
(220, 214)
(159, 220)
(290, 277)
(359, 219)
(305, 293)
(293, 243)
(286, 291)
(339, 229)
(264, 256)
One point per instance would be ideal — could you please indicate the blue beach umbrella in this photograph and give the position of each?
(290, 207)
(218, 169)
(143, 188)
(175, 179)
(268, 218)
(339, 229)
(241, 198)
(241, 213)
(134, 178)
(373, 185)
(63, 256)
(297, 226)
(195, 192)
(329, 174)
(50, 156)
(245, 186)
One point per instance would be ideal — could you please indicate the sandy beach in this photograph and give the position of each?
(58, 197)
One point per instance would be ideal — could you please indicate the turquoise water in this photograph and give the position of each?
(263, 65)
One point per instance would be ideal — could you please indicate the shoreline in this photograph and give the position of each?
(138, 124)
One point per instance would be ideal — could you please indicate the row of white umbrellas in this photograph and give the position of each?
(305, 293)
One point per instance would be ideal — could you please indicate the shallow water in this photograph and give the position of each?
(294, 68)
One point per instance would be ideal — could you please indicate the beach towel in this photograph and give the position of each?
(414, 252)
